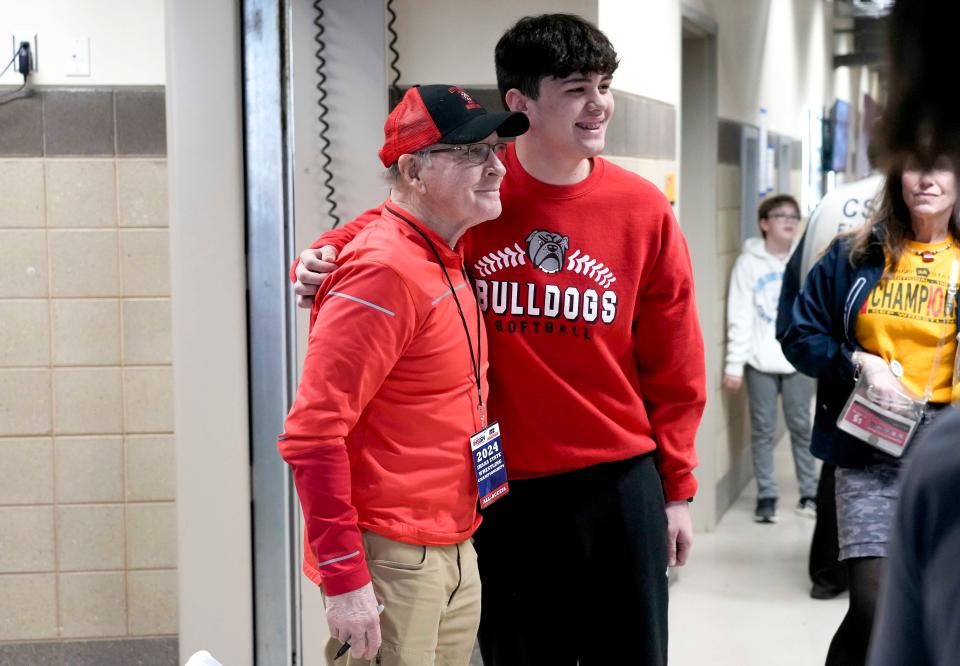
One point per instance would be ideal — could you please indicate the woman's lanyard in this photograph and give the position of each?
(475, 359)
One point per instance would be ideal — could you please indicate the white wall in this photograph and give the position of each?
(207, 238)
(126, 40)
(453, 41)
(356, 88)
(773, 54)
(646, 35)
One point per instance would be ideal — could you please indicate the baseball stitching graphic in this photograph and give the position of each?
(548, 252)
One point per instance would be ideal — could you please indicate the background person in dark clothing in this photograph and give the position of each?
(843, 209)
(918, 618)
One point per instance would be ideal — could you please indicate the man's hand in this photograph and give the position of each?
(679, 532)
(314, 267)
(352, 616)
(732, 383)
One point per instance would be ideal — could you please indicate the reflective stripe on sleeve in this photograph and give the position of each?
(363, 302)
(339, 559)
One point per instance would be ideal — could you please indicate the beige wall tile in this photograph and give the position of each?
(89, 469)
(23, 264)
(21, 205)
(87, 401)
(146, 331)
(725, 264)
(728, 186)
(24, 402)
(148, 399)
(143, 193)
(152, 602)
(146, 262)
(35, 599)
(84, 263)
(151, 473)
(26, 539)
(796, 183)
(93, 605)
(26, 471)
(24, 333)
(151, 536)
(90, 537)
(86, 332)
(728, 230)
(81, 193)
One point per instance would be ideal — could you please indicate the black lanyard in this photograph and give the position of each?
(474, 359)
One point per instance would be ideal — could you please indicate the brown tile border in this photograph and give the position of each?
(115, 652)
(141, 122)
(21, 127)
(78, 123)
(85, 122)
(642, 127)
(728, 144)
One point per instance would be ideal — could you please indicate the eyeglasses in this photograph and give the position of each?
(784, 216)
(476, 153)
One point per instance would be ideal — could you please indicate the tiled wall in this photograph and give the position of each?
(87, 512)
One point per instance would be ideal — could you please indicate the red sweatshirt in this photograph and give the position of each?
(587, 291)
(379, 434)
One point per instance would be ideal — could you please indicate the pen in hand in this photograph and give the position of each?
(346, 644)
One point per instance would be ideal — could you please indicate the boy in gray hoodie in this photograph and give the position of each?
(754, 355)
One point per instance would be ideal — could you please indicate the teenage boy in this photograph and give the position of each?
(754, 353)
(596, 375)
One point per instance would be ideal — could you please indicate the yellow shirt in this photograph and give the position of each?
(905, 316)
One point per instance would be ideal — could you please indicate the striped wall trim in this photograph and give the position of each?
(58, 121)
(728, 144)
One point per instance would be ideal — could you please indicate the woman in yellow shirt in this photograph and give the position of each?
(882, 303)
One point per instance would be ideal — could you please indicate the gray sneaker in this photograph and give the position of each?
(807, 507)
(766, 510)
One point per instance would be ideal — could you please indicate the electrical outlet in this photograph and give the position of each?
(30, 37)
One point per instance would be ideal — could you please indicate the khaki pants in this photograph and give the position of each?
(431, 598)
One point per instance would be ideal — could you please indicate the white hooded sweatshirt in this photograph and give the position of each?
(752, 312)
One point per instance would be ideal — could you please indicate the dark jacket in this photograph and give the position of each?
(917, 619)
(818, 337)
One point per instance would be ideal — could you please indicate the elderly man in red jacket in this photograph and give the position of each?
(390, 412)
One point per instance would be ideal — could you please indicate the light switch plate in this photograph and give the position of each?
(77, 56)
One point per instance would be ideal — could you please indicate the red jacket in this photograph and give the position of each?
(379, 434)
(587, 291)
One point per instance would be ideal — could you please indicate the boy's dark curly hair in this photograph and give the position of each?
(550, 45)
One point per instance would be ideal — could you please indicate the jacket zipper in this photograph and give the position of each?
(851, 297)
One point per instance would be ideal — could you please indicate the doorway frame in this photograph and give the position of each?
(698, 137)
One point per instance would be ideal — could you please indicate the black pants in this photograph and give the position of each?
(574, 569)
(825, 569)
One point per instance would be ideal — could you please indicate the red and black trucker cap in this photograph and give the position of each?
(442, 114)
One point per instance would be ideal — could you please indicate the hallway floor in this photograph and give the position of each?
(743, 598)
